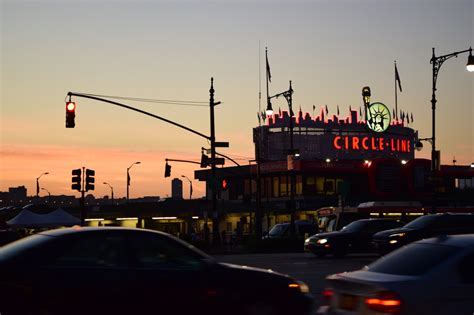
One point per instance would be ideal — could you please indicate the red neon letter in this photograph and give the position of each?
(372, 141)
(381, 144)
(364, 143)
(335, 142)
(346, 143)
(404, 145)
(355, 143)
(392, 145)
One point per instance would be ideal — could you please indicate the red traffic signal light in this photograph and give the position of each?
(70, 114)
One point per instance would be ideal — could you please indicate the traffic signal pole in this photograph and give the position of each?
(215, 220)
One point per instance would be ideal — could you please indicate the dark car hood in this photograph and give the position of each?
(386, 233)
(330, 234)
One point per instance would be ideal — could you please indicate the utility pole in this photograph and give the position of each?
(215, 219)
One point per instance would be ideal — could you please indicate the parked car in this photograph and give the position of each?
(424, 227)
(303, 229)
(433, 276)
(135, 271)
(355, 237)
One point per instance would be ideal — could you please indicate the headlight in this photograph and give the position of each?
(322, 241)
(309, 240)
(303, 288)
(397, 235)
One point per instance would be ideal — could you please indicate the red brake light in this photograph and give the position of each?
(385, 302)
(327, 296)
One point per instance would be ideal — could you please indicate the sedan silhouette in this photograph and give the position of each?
(135, 271)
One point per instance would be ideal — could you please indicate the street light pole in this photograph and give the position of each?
(190, 187)
(112, 191)
(288, 95)
(437, 62)
(37, 183)
(49, 194)
(128, 179)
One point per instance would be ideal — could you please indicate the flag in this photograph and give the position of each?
(360, 111)
(397, 78)
(411, 117)
(327, 112)
(314, 107)
(337, 110)
(268, 68)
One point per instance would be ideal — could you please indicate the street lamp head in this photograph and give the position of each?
(470, 61)
(366, 94)
(138, 162)
(418, 146)
(269, 110)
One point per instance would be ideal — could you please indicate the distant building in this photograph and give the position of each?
(176, 189)
(17, 194)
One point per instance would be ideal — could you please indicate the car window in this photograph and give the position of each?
(93, 250)
(465, 269)
(355, 226)
(421, 222)
(279, 229)
(414, 259)
(161, 252)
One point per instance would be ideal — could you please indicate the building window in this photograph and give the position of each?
(320, 185)
(276, 187)
(268, 187)
(299, 185)
(283, 186)
(329, 186)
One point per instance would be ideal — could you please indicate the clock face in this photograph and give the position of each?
(378, 117)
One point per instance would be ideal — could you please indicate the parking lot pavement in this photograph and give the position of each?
(303, 266)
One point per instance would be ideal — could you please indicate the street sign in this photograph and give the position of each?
(216, 161)
(221, 144)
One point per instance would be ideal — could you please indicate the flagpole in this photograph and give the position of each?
(396, 100)
(266, 70)
(259, 83)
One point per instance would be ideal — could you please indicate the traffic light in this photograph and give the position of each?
(224, 185)
(76, 179)
(90, 180)
(204, 160)
(167, 170)
(70, 114)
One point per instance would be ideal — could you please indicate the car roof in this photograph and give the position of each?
(87, 229)
(462, 240)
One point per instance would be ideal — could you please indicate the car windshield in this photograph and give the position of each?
(278, 229)
(354, 226)
(414, 259)
(421, 222)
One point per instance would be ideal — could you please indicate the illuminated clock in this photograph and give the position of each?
(378, 117)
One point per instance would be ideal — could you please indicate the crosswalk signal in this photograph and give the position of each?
(70, 114)
(224, 185)
(90, 180)
(167, 170)
(76, 179)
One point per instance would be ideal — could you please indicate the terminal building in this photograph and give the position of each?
(368, 165)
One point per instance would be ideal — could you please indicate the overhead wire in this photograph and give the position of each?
(147, 100)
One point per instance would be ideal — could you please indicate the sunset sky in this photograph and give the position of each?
(170, 50)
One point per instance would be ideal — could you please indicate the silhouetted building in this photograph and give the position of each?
(177, 188)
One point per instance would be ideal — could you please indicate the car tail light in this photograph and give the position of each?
(327, 296)
(384, 302)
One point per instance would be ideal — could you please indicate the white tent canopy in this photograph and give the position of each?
(56, 218)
